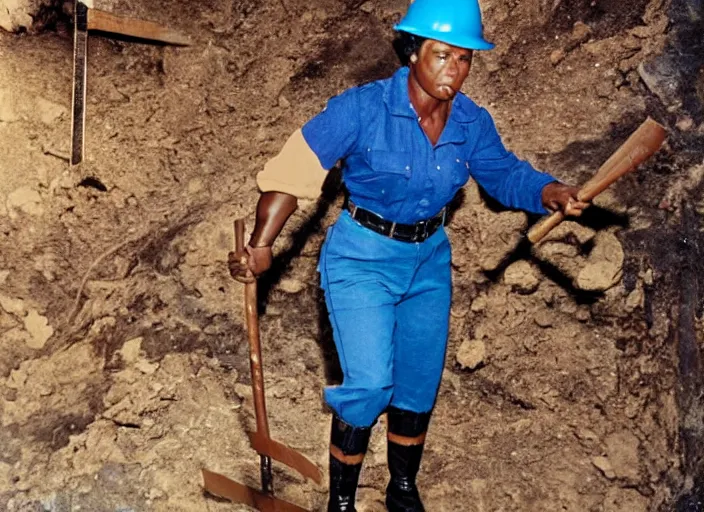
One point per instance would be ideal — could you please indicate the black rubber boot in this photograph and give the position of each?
(348, 445)
(405, 450)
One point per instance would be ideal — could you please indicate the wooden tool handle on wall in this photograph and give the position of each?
(640, 146)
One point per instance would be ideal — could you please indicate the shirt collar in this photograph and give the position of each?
(396, 94)
(398, 102)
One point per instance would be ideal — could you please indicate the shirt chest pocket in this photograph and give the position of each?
(460, 171)
(385, 175)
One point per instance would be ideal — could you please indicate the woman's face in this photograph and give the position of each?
(441, 69)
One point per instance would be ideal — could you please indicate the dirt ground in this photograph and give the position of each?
(123, 358)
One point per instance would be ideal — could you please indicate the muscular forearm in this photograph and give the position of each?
(273, 210)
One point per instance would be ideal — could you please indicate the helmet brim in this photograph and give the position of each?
(461, 41)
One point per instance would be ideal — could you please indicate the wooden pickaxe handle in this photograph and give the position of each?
(261, 441)
(255, 349)
(255, 363)
(640, 146)
(132, 27)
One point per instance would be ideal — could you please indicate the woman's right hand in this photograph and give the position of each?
(246, 265)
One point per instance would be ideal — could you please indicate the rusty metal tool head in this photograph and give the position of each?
(85, 19)
(223, 487)
(261, 441)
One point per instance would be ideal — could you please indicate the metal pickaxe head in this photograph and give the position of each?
(267, 446)
(85, 18)
(261, 440)
(223, 487)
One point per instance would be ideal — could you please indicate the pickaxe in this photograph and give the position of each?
(86, 18)
(640, 146)
(261, 441)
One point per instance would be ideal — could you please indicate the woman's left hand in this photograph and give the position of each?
(560, 197)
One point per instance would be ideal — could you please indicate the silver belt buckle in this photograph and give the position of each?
(392, 230)
(421, 231)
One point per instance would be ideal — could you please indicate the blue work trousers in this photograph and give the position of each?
(389, 305)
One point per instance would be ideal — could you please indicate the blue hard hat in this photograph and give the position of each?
(455, 22)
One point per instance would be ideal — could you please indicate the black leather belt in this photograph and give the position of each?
(417, 232)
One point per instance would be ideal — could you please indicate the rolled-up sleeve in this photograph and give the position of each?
(511, 181)
(295, 170)
(301, 166)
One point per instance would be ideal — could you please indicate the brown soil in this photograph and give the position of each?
(123, 360)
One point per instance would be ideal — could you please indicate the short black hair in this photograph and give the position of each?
(406, 44)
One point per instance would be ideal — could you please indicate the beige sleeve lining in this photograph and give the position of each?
(296, 170)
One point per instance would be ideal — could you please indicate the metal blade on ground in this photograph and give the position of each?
(221, 486)
(267, 446)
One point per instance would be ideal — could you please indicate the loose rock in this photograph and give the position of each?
(583, 314)
(17, 378)
(604, 266)
(25, 199)
(685, 124)
(291, 286)
(12, 306)
(604, 465)
(522, 277)
(131, 349)
(471, 354)
(146, 367)
(544, 318)
(635, 299)
(284, 102)
(367, 7)
(585, 434)
(17, 14)
(38, 328)
(49, 111)
(622, 450)
(479, 304)
(580, 32)
(557, 56)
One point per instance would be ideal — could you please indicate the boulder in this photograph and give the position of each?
(17, 15)
(604, 266)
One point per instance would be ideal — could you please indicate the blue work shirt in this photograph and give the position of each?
(392, 169)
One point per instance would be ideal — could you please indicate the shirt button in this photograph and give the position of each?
(458, 160)
(408, 167)
(438, 167)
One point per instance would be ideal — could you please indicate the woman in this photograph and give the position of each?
(408, 144)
